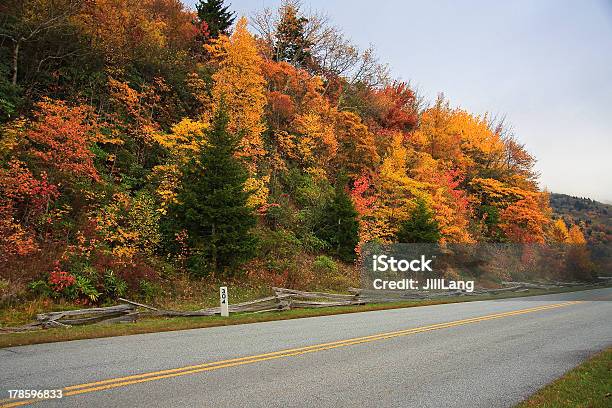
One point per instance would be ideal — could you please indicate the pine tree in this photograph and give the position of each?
(212, 203)
(339, 226)
(291, 44)
(421, 227)
(217, 17)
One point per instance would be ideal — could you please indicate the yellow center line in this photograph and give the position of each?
(193, 369)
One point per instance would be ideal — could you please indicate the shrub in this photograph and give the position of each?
(324, 265)
(62, 284)
(131, 271)
(149, 291)
(114, 286)
(313, 244)
(40, 288)
(85, 288)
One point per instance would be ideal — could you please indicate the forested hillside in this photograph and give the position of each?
(141, 141)
(595, 218)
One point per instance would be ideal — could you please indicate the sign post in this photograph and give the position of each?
(224, 301)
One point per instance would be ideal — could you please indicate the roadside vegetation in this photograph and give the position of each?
(27, 312)
(154, 152)
(587, 386)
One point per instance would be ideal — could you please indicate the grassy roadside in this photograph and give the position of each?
(151, 325)
(588, 385)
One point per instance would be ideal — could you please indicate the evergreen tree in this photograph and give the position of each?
(291, 44)
(212, 203)
(217, 16)
(491, 223)
(421, 227)
(339, 226)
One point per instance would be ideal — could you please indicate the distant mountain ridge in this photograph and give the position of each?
(594, 217)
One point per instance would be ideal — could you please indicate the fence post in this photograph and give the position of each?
(224, 300)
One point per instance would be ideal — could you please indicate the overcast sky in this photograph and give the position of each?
(544, 64)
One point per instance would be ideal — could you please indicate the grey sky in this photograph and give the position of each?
(544, 64)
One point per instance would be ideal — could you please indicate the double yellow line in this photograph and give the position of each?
(194, 369)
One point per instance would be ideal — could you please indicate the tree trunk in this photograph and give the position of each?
(15, 60)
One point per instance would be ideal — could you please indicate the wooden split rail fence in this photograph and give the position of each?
(283, 299)
(130, 311)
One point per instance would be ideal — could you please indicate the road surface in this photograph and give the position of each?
(477, 354)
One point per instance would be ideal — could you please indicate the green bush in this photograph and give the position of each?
(278, 249)
(324, 265)
(421, 227)
(85, 288)
(311, 243)
(149, 291)
(114, 286)
(40, 288)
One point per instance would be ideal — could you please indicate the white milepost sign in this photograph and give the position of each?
(224, 301)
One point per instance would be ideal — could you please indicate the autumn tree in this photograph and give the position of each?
(217, 17)
(451, 205)
(239, 81)
(356, 147)
(61, 138)
(182, 144)
(436, 135)
(578, 262)
(129, 226)
(212, 203)
(323, 48)
(137, 33)
(524, 221)
(395, 190)
(395, 107)
(559, 232)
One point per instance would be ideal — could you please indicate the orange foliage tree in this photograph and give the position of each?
(525, 221)
(60, 139)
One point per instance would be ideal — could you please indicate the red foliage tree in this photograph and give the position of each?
(399, 107)
(61, 138)
(363, 203)
(24, 201)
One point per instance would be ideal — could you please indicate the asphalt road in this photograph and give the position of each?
(477, 354)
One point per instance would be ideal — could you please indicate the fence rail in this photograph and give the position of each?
(283, 299)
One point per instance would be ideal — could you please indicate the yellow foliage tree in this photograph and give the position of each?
(182, 143)
(240, 84)
(437, 135)
(559, 232)
(450, 204)
(315, 143)
(576, 236)
(129, 226)
(396, 191)
(357, 149)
